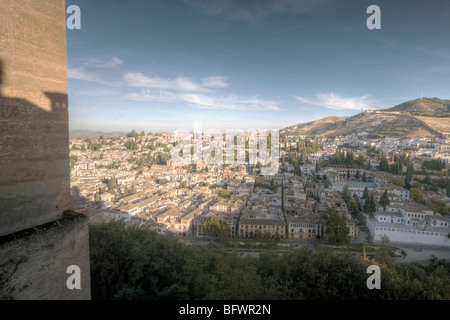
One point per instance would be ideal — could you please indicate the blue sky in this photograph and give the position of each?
(159, 65)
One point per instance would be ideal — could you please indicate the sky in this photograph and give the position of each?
(160, 65)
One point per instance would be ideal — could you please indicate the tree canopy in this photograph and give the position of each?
(217, 227)
(336, 230)
(137, 263)
(384, 201)
(369, 204)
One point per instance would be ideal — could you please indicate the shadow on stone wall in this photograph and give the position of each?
(34, 161)
(39, 236)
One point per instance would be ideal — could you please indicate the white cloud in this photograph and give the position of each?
(195, 94)
(112, 63)
(231, 102)
(154, 95)
(80, 74)
(85, 73)
(215, 82)
(253, 9)
(201, 101)
(333, 101)
(138, 80)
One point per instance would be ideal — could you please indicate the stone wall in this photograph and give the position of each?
(34, 127)
(33, 262)
(39, 238)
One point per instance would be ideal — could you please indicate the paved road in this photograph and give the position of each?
(417, 253)
(414, 252)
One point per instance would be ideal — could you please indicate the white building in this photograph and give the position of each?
(410, 223)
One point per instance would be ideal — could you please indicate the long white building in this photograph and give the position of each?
(410, 223)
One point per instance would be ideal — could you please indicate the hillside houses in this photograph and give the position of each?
(143, 186)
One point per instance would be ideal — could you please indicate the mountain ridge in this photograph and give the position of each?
(430, 106)
(92, 134)
(414, 118)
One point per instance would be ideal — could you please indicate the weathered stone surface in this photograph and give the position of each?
(37, 260)
(39, 239)
(34, 133)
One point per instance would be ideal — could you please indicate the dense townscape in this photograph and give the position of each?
(383, 188)
(305, 166)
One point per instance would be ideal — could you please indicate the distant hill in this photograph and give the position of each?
(416, 118)
(431, 107)
(83, 134)
(318, 127)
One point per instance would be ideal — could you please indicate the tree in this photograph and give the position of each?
(384, 166)
(297, 170)
(133, 263)
(434, 164)
(448, 187)
(355, 206)
(365, 193)
(361, 161)
(398, 182)
(336, 230)
(112, 183)
(131, 145)
(94, 146)
(384, 201)
(416, 195)
(369, 204)
(162, 181)
(224, 193)
(439, 206)
(408, 179)
(364, 177)
(132, 134)
(347, 193)
(385, 239)
(369, 238)
(73, 160)
(217, 227)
